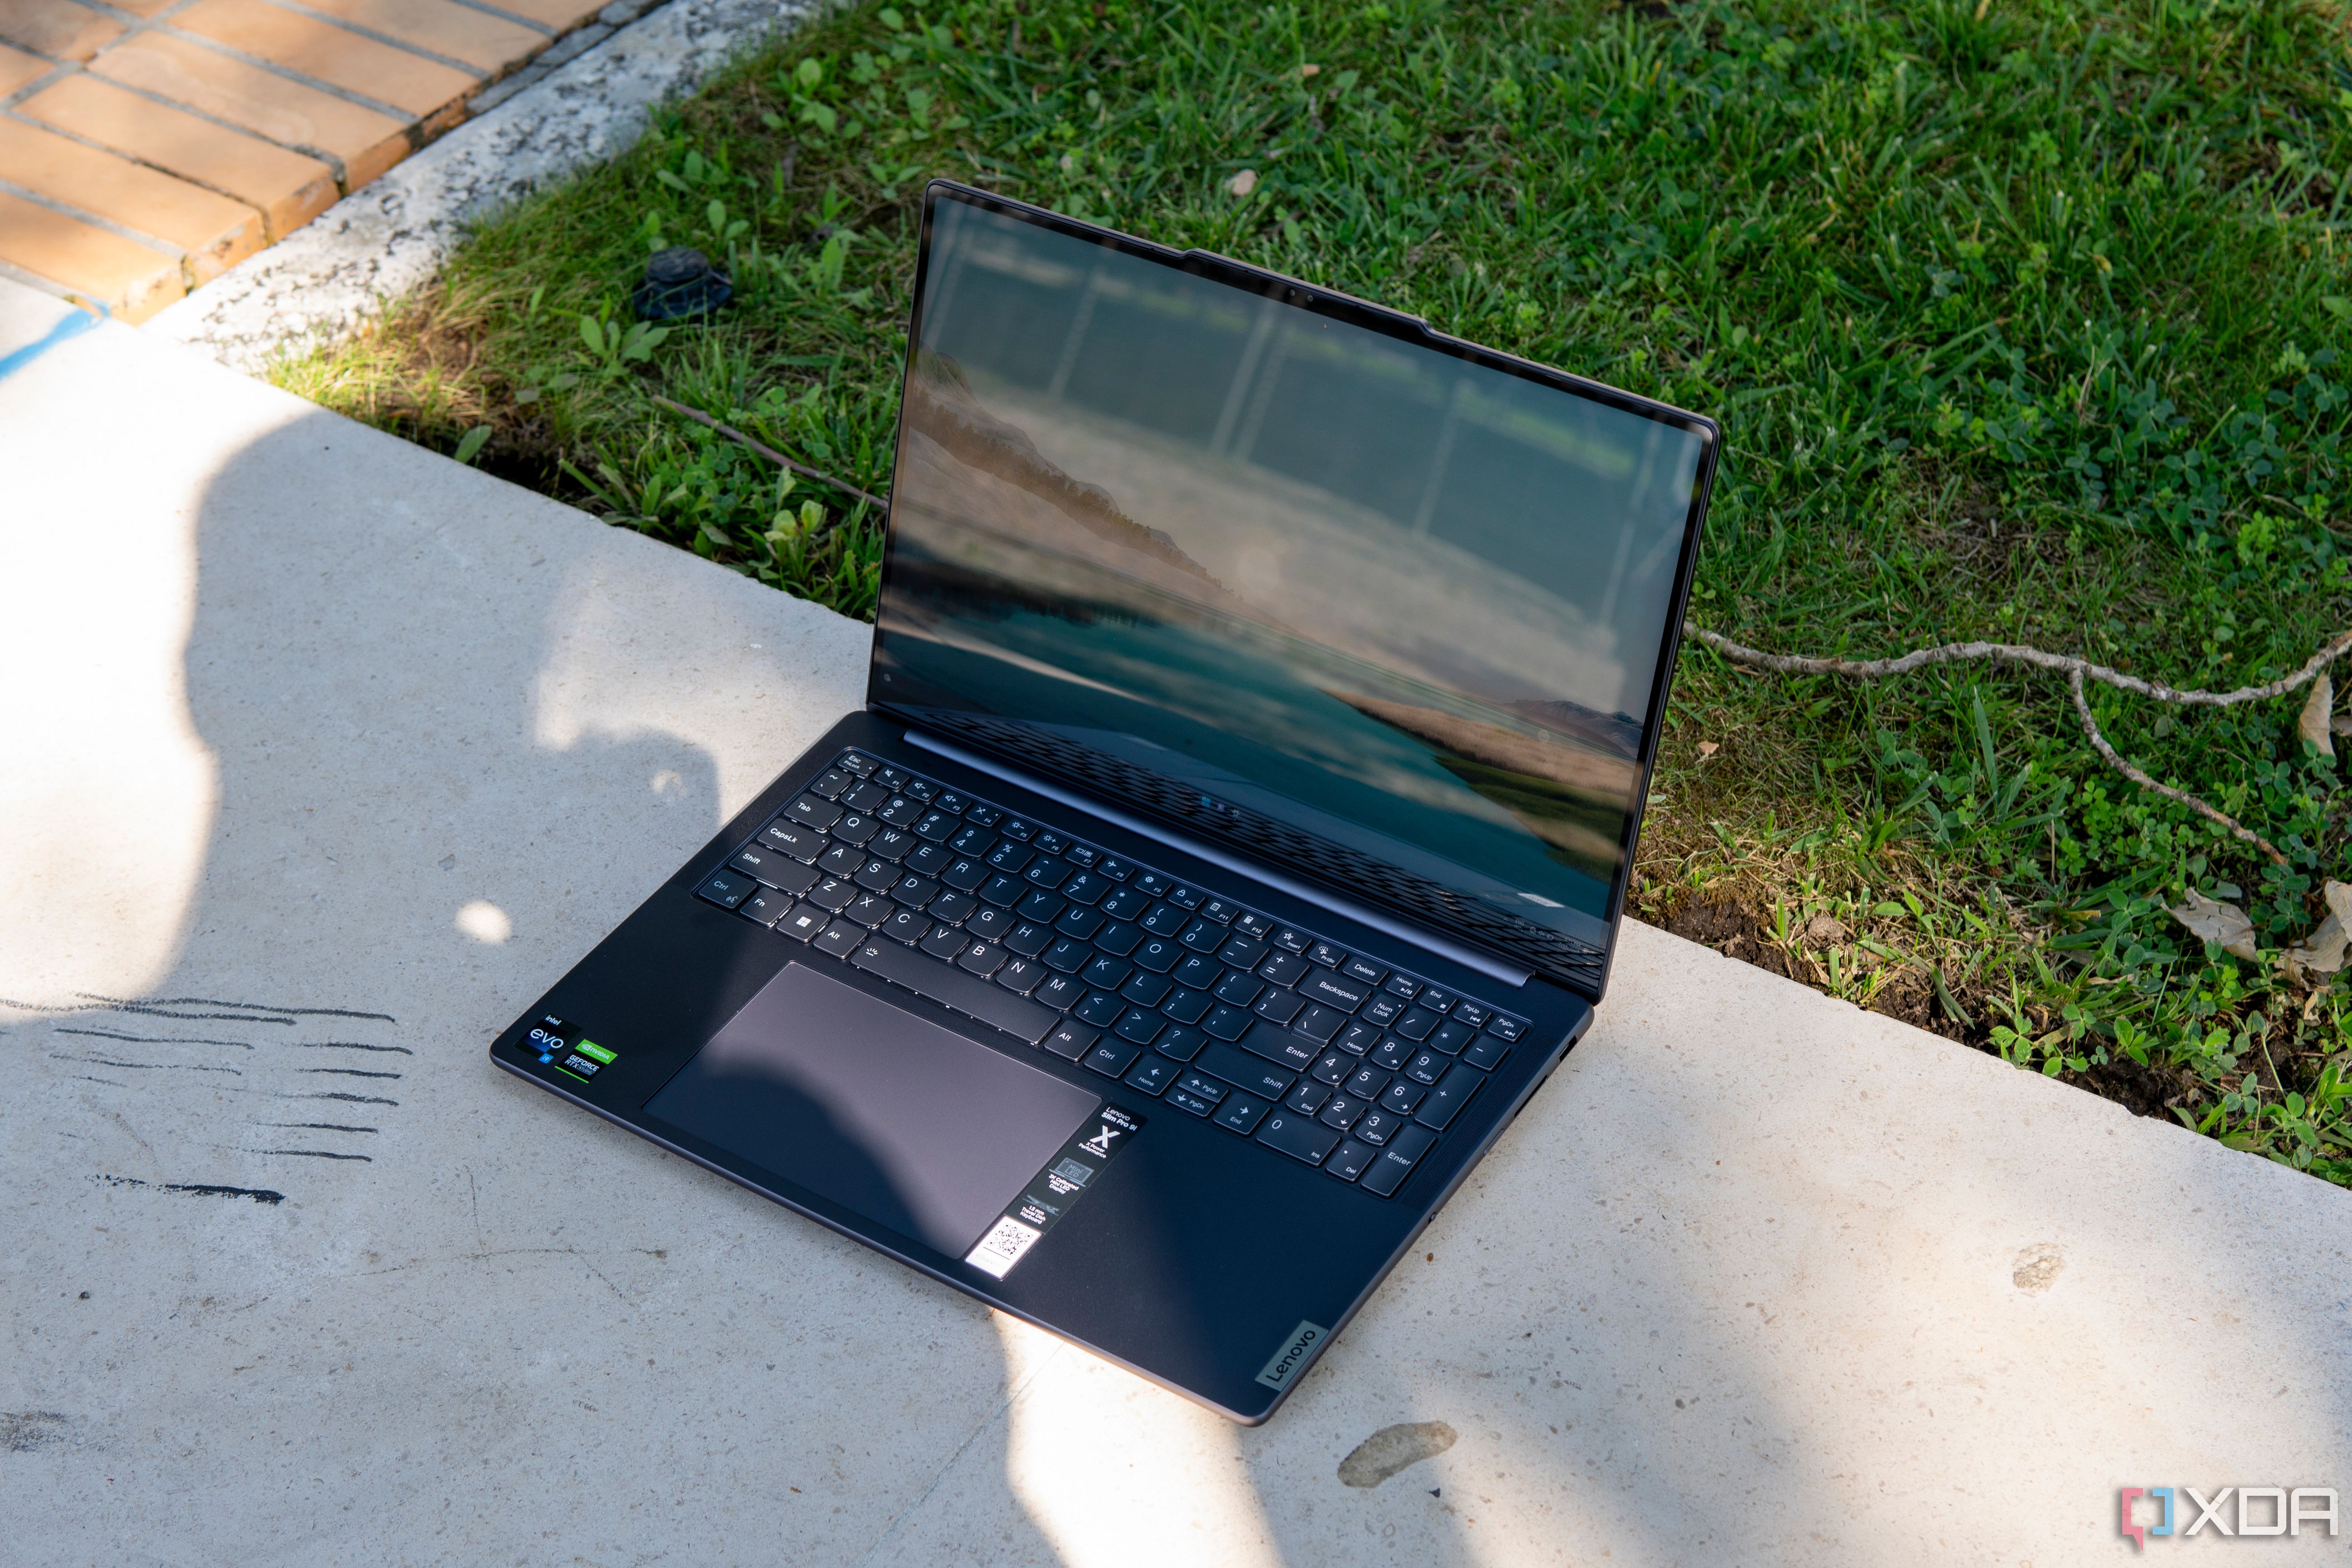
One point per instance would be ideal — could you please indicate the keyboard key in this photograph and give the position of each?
(1042, 907)
(951, 802)
(1100, 1009)
(1364, 970)
(1278, 1007)
(1509, 1028)
(923, 790)
(1014, 828)
(1446, 1099)
(1365, 1083)
(1253, 925)
(1378, 1126)
(1242, 953)
(1159, 955)
(1416, 1023)
(1022, 975)
(1426, 1066)
(1082, 854)
(1333, 991)
(728, 889)
(1202, 937)
(1279, 1046)
(914, 891)
(1066, 956)
(1200, 1084)
(855, 762)
(1402, 1097)
(1451, 1037)
(1283, 969)
(1357, 1038)
(1150, 1075)
(772, 867)
(954, 908)
(965, 875)
(1185, 898)
(936, 826)
(1318, 1024)
(1437, 1000)
(1127, 904)
(1111, 1059)
(1004, 891)
(1146, 989)
(855, 829)
(1219, 910)
(803, 923)
(1119, 939)
(1403, 987)
(1165, 920)
(1061, 994)
(1107, 974)
(840, 939)
(844, 860)
(1329, 957)
(1140, 1027)
(1225, 1023)
(1223, 1061)
(1049, 842)
(1291, 941)
(991, 924)
(869, 910)
(1486, 1051)
(1117, 869)
(1347, 1162)
(944, 942)
(1011, 857)
(1048, 874)
(832, 782)
(767, 906)
(1331, 1068)
(1341, 1110)
(1381, 1011)
(833, 894)
(1077, 922)
(877, 876)
(890, 778)
(1298, 1137)
(1239, 989)
(1186, 1006)
(1470, 1013)
(1391, 1053)
(1240, 1114)
(972, 840)
(1307, 1096)
(1153, 883)
(1084, 888)
(1030, 939)
(793, 838)
(1182, 1043)
(1192, 1103)
(1389, 1171)
(929, 860)
(985, 816)
(1200, 974)
(906, 926)
(892, 845)
(1071, 1041)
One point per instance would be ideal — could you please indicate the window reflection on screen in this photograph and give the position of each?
(1408, 602)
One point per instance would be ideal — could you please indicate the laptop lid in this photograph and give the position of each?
(1387, 611)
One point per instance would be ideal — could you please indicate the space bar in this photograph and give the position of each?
(955, 990)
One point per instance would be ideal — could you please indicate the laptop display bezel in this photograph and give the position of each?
(1411, 329)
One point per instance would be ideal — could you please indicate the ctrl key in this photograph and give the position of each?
(1395, 1163)
(726, 888)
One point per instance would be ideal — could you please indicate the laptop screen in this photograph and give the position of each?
(1285, 568)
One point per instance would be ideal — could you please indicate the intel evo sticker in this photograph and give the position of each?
(1296, 1352)
(1050, 1194)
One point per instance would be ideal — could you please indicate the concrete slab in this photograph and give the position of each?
(324, 754)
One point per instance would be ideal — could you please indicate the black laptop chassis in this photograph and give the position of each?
(1198, 1260)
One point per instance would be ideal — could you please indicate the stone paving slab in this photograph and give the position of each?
(148, 146)
(325, 755)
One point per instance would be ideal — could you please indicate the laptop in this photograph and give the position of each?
(1263, 694)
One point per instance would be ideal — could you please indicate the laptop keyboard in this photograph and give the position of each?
(1266, 1030)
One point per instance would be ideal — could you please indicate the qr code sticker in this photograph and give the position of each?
(1002, 1248)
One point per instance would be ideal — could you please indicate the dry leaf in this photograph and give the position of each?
(2339, 902)
(2321, 953)
(1243, 184)
(1708, 748)
(1305, 71)
(2313, 722)
(2217, 922)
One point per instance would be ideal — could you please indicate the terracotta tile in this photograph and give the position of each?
(215, 231)
(560, 15)
(475, 37)
(132, 280)
(140, 8)
(18, 68)
(286, 112)
(324, 50)
(289, 189)
(58, 28)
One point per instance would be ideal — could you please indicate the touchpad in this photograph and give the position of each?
(889, 1114)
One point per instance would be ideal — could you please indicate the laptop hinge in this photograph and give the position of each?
(1362, 914)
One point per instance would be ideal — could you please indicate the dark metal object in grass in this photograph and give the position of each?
(2076, 671)
(773, 456)
(680, 283)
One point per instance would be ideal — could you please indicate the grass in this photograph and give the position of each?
(2024, 320)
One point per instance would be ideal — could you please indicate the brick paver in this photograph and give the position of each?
(147, 144)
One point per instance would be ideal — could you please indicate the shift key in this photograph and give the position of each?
(1220, 1060)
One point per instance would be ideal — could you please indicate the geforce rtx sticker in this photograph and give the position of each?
(1050, 1194)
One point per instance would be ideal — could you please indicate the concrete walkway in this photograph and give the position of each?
(323, 755)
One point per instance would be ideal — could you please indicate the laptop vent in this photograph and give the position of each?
(1348, 872)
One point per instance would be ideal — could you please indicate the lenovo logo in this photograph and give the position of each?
(1293, 1354)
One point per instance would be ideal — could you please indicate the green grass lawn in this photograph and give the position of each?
(2023, 320)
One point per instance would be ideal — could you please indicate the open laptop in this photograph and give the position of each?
(1263, 696)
